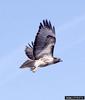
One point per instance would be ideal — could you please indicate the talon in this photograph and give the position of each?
(34, 69)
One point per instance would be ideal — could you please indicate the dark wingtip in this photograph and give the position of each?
(50, 25)
(26, 46)
(21, 66)
(46, 24)
(53, 29)
(32, 43)
(40, 26)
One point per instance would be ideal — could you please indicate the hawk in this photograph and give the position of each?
(40, 52)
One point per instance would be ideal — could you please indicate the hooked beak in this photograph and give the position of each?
(61, 60)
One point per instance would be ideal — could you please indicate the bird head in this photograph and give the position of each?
(57, 60)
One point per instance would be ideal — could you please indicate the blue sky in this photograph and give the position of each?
(19, 21)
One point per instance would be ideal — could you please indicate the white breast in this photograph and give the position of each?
(48, 59)
(39, 62)
(43, 61)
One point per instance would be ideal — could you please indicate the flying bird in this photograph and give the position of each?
(40, 52)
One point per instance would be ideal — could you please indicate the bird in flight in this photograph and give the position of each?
(40, 52)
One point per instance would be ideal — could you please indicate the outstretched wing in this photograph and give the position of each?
(29, 51)
(44, 40)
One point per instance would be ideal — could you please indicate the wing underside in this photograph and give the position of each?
(29, 51)
(44, 40)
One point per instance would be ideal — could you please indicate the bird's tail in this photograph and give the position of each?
(28, 63)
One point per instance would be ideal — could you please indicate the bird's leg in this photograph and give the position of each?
(34, 69)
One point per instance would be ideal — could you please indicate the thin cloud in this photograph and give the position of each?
(71, 23)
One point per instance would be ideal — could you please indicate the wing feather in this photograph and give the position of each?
(41, 45)
(48, 48)
(29, 51)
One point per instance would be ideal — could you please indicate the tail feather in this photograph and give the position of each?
(28, 63)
